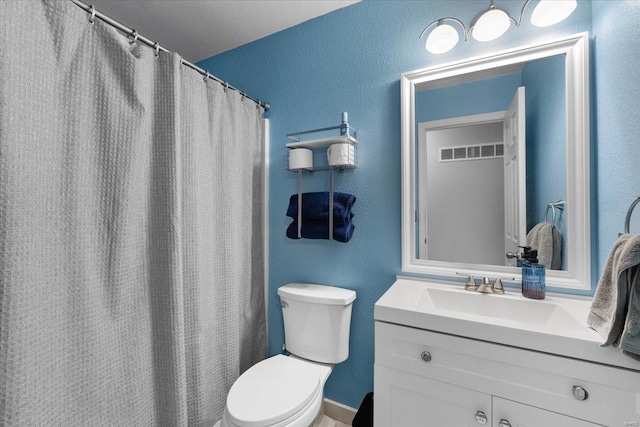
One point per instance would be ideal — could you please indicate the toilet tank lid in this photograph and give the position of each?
(318, 294)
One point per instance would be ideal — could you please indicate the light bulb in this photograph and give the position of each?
(442, 39)
(549, 12)
(491, 25)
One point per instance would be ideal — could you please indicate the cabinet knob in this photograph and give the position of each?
(481, 418)
(504, 423)
(580, 393)
(425, 356)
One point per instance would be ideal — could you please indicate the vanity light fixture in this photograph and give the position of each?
(493, 23)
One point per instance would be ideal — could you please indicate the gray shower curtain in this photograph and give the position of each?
(131, 254)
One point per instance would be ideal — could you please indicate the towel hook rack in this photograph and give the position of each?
(627, 220)
(553, 206)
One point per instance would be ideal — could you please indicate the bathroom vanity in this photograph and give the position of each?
(449, 357)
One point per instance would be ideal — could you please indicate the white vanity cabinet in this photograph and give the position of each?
(404, 399)
(508, 413)
(425, 378)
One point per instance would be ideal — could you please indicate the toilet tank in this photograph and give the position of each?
(317, 319)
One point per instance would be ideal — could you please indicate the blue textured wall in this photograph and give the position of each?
(351, 60)
(465, 99)
(546, 125)
(617, 90)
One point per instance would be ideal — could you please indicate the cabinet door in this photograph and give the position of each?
(408, 400)
(513, 414)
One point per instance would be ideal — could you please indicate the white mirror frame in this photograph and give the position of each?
(578, 233)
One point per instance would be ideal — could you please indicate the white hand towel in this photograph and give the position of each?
(609, 306)
(630, 340)
(547, 240)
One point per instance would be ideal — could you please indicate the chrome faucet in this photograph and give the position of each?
(486, 287)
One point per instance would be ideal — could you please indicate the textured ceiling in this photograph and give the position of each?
(200, 29)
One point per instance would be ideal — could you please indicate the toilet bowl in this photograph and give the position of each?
(277, 392)
(288, 391)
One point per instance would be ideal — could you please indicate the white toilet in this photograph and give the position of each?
(287, 391)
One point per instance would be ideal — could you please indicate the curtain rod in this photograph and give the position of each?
(133, 33)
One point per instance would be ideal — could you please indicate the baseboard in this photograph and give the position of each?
(339, 412)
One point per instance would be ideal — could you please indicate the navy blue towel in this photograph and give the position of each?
(315, 206)
(313, 229)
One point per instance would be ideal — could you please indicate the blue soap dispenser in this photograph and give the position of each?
(533, 277)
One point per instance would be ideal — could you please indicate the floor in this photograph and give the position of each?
(328, 419)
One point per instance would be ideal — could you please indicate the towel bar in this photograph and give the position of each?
(627, 220)
(553, 206)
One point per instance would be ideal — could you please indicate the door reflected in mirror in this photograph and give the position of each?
(491, 152)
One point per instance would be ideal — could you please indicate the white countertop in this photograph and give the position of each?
(555, 325)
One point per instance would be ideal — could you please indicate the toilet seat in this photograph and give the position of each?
(272, 391)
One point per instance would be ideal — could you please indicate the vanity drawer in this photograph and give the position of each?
(533, 378)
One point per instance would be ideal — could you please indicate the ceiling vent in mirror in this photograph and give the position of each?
(471, 152)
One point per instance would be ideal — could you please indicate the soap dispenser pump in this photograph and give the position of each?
(524, 256)
(533, 277)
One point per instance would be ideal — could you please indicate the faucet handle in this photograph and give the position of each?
(497, 287)
(471, 284)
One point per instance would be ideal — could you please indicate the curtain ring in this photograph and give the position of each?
(258, 105)
(156, 46)
(243, 95)
(226, 86)
(92, 18)
(135, 37)
(206, 77)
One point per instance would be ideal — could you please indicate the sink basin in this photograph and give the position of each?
(499, 308)
(555, 325)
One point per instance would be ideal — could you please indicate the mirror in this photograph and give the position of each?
(491, 147)
(462, 165)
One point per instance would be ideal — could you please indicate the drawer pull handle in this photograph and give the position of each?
(425, 356)
(481, 418)
(504, 423)
(580, 393)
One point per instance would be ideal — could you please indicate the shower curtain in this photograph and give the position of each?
(131, 254)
